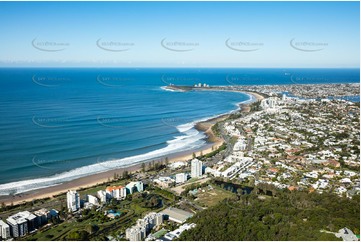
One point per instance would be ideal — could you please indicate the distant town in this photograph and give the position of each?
(295, 138)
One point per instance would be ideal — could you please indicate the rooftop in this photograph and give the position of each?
(21, 217)
(177, 215)
(111, 188)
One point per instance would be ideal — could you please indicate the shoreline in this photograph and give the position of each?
(213, 143)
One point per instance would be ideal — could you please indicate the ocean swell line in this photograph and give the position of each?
(191, 140)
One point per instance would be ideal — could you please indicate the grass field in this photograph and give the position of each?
(160, 233)
(55, 232)
(131, 210)
(180, 189)
(213, 196)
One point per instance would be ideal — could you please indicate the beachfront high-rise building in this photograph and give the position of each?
(134, 187)
(196, 168)
(18, 226)
(4, 230)
(21, 223)
(42, 216)
(118, 192)
(73, 201)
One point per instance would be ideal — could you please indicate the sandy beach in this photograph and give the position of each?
(206, 126)
(102, 177)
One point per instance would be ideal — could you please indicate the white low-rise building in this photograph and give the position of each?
(93, 200)
(340, 190)
(350, 173)
(345, 180)
(240, 145)
(102, 195)
(135, 187)
(213, 172)
(164, 182)
(181, 177)
(176, 233)
(346, 234)
(311, 174)
(117, 192)
(177, 165)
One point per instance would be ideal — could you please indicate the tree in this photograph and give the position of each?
(49, 236)
(281, 218)
(78, 235)
(153, 164)
(239, 191)
(143, 167)
(55, 220)
(125, 174)
(3, 206)
(92, 228)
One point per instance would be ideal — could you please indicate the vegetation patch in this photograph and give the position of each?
(289, 216)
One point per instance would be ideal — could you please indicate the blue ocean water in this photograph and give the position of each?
(60, 124)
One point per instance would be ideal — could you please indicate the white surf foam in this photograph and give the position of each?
(192, 139)
(165, 88)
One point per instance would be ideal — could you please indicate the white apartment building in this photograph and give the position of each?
(93, 200)
(196, 168)
(135, 233)
(143, 226)
(137, 186)
(4, 230)
(102, 195)
(181, 177)
(21, 223)
(73, 201)
(118, 192)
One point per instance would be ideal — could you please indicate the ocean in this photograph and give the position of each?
(59, 124)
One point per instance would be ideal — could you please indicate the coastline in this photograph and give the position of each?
(213, 142)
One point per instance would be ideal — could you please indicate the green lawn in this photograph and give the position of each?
(131, 211)
(92, 191)
(212, 197)
(53, 233)
(59, 232)
(160, 233)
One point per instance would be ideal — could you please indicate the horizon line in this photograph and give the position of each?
(179, 67)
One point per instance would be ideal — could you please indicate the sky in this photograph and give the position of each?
(180, 34)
